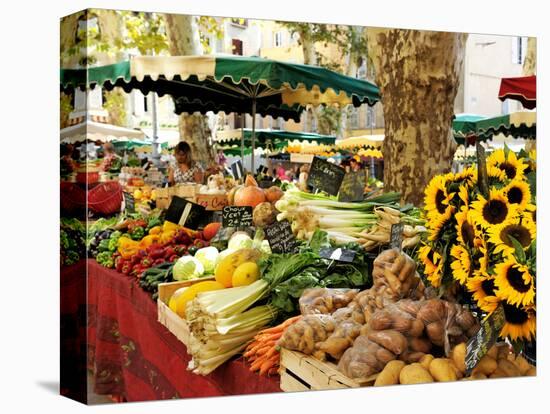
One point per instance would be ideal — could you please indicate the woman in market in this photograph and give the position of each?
(185, 170)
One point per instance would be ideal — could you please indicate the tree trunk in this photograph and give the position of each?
(418, 75)
(68, 30)
(308, 47)
(183, 39)
(530, 64)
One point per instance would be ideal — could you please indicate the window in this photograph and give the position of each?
(519, 50)
(237, 47)
(239, 22)
(354, 118)
(278, 39)
(506, 107)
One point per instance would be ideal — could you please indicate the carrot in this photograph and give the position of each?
(257, 364)
(273, 370)
(290, 321)
(267, 364)
(275, 329)
(272, 351)
(270, 337)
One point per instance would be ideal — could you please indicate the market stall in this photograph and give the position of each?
(523, 89)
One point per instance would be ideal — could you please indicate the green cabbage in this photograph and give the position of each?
(240, 240)
(208, 256)
(187, 267)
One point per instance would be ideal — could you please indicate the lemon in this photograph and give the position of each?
(138, 194)
(245, 274)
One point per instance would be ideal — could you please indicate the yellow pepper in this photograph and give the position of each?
(166, 236)
(149, 240)
(169, 226)
(155, 230)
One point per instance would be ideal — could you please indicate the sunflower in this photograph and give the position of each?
(437, 226)
(518, 192)
(494, 210)
(437, 198)
(463, 194)
(466, 227)
(483, 288)
(495, 175)
(520, 323)
(462, 266)
(523, 229)
(433, 264)
(508, 162)
(514, 282)
(480, 256)
(467, 176)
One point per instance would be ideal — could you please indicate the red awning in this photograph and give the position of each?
(523, 89)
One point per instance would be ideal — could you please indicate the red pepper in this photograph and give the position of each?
(173, 258)
(119, 263)
(169, 251)
(182, 237)
(180, 249)
(146, 262)
(126, 268)
(159, 261)
(199, 243)
(135, 259)
(156, 254)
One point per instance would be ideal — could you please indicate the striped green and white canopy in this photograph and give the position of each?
(469, 128)
(228, 83)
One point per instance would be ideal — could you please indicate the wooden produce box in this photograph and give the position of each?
(212, 202)
(178, 326)
(164, 195)
(300, 372)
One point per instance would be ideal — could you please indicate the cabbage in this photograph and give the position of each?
(208, 256)
(239, 240)
(265, 247)
(187, 267)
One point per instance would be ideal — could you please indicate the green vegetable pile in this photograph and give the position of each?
(152, 277)
(289, 274)
(72, 241)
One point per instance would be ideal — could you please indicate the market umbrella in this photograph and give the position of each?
(97, 131)
(363, 141)
(469, 128)
(523, 89)
(237, 84)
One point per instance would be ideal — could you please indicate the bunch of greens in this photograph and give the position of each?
(288, 275)
(72, 241)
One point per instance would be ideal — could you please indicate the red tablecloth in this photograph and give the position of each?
(133, 356)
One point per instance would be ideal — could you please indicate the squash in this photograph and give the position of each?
(231, 194)
(249, 196)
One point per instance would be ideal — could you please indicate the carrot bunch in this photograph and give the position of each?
(263, 352)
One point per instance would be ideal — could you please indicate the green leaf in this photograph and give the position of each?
(532, 180)
(520, 253)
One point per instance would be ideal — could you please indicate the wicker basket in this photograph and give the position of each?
(105, 198)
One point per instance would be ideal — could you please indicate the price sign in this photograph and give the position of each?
(353, 186)
(185, 213)
(396, 237)
(265, 183)
(325, 176)
(478, 345)
(129, 203)
(233, 216)
(280, 237)
(339, 254)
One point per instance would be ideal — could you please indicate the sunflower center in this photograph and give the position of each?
(495, 211)
(509, 169)
(513, 315)
(468, 233)
(488, 286)
(515, 278)
(515, 195)
(518, 232)
(439, 198)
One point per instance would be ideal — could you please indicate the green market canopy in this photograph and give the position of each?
(216, 83)
(268, 138)
(129, 144)
(469, 128)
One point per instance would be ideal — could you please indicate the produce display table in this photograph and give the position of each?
(135, 357)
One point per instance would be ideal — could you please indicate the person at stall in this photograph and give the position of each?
(109, 156)
(185, 169)
(354, 165)
(67, 162)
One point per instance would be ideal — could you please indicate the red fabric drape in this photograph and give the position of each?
(134, 356)
(523, 89)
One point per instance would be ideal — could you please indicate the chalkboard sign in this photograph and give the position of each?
(339, 254)
(237, 170)
(353, 186)
(479, 345)
(234, 216)
(129, 203)
(185, 213)
(265, 183)
(325, 176)
(396, 237)
(280, 237)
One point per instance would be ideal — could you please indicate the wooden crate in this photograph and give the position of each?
(178, 326)
(301, 372)
(212, 202)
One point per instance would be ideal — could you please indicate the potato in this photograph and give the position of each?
(509, 368)
(398, 264)
(532, 372)
(522, 364)
(441, 369)
(389, 339)
(401, 324)
(477, 376)
(432, 311)
(417, 328)
(426, 360)
(390, 374)
(458, 356)
(498, 373)
(385, 356)
(420, 345)
(486, 365)
(410, 357)
(436, 333)
(493, 352)
(503, 351)
(414, 374)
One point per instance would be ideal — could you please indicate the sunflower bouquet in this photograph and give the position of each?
(483, 247)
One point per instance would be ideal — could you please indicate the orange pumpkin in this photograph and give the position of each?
(249, 196)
